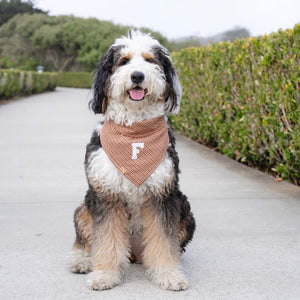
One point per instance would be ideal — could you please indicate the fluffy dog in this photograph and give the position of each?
(133, 210)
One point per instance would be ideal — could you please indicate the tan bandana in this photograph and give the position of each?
(136, 150)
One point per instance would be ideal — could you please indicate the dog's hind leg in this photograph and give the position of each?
(80, 260)
(186, 227)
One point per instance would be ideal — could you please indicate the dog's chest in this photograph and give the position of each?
(107, 178)
(103, 175)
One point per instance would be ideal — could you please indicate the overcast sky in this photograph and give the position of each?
(177, 18)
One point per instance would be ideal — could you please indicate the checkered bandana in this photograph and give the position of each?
(136, 150)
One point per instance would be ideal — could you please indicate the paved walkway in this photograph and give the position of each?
(247, 242)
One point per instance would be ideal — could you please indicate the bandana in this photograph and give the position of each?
(136, 150)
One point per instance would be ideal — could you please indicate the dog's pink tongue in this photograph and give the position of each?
(137, 94)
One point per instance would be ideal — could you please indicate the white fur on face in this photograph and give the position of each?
(121, 108)
(154, 78)
(137, 42)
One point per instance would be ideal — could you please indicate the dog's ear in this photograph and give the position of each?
(173, 89)
(101, 81)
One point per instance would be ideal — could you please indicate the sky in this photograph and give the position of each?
(178, 18)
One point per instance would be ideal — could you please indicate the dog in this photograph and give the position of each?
(134, 210)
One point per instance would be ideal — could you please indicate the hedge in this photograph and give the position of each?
(242, 98)
(17, 83)
(76, 80)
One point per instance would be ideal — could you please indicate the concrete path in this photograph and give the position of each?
(247, 242)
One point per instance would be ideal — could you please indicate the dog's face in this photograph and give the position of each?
(136, 73)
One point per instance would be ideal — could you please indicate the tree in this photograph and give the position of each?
(10, 8)
(60, 43)
(235, 33)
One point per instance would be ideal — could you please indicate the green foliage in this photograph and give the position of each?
(9, 9)
(197, 41)
(76, 80)
(16, 83)
(23, 64)
(243, 98)
(60, 43)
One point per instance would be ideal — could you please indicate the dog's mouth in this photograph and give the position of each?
(137, 93)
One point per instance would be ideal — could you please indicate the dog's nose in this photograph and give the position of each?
(137, 77)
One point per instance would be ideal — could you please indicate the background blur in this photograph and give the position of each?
(72, 36)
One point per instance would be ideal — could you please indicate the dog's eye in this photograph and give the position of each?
(150, 60)
(123, 61)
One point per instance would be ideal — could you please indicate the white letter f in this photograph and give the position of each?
(135, 149)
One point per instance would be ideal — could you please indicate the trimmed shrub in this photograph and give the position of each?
(16, 83)
(76, 80)
(243, 99)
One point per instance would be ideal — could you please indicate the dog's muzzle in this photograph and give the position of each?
(137, 93)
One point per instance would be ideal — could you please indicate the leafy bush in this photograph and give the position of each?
(76, 80)
(243, 98)
(60, 43)
(8, 9)
(15, 83)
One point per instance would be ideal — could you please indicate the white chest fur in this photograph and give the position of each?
(104, 176)
(101, 172)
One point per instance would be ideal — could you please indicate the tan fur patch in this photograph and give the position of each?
(148, 55)
(109, 99)
(84, 223)
(110, 248)
(181, 232)
(160, 252)
(126, 56)
(104, 106)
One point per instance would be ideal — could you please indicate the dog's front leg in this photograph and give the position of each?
(110, 248)
(161, 255)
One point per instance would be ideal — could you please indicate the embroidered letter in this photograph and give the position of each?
(135, 149)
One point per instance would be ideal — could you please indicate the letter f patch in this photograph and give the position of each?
(135, 149)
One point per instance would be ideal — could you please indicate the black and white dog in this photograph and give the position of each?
(120, 220)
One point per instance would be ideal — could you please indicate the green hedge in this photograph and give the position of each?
(243, 99)
(16, 83)
(76, 80)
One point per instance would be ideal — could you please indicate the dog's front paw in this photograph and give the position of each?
(80, 262)
(173, 281)
(103, 280)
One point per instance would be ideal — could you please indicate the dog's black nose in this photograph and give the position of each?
(137, 77)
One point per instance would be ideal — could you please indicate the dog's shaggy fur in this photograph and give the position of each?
(120, 222)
